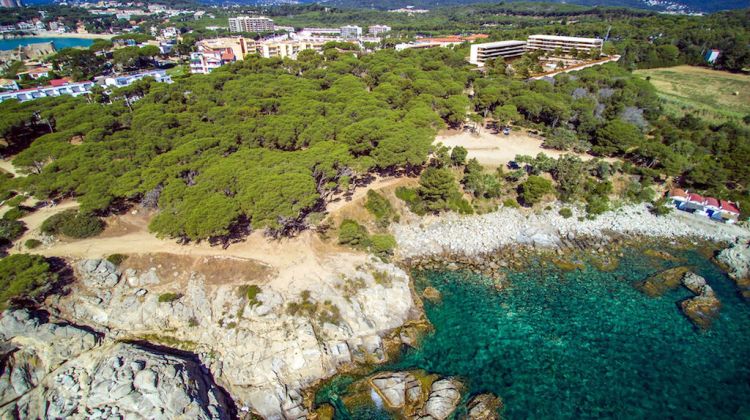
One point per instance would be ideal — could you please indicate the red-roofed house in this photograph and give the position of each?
(696, 203)
(729, 211)
(711, 204)
(59, 82)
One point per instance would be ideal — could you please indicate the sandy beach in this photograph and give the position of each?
(50, 34)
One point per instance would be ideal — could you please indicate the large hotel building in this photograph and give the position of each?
(250, 24)
(480, 53)
(564, 43)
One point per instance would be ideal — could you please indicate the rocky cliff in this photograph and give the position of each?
(56, 370)
(262, 341)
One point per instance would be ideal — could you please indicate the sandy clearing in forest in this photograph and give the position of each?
(493, 150)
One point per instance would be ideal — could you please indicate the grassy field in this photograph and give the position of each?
(714, 95)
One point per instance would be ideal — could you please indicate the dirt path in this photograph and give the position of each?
(493, 150)
(7, 166)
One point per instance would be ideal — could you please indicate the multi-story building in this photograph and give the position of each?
(351, 32)
(377, 30)
(288, 49)
(240, 46)
(204, 62)
(129, 79)
(250, 24)
(566, 44)
(57, 87)
(480, 53)
(11, 3)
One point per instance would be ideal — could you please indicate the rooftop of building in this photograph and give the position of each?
(509, 43)
(563, 38)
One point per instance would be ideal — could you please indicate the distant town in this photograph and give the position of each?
(137, 47)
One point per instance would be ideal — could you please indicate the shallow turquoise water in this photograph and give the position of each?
(60, 43)
(584, 344)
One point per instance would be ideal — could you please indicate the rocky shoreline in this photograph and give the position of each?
(484, 234)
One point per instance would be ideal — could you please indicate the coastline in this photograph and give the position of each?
(484, 234)
(48, 34)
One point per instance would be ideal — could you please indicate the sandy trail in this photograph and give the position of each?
(7, 166)
(495, 150)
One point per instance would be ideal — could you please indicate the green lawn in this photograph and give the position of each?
(714, 95)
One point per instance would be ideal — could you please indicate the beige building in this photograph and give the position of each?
(290, 49)
(564, 43)
(250, 24)
(240, 46)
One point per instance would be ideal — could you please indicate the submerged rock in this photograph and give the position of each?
(432, 294)
(659, 283)
(484, 407)
(664, 255)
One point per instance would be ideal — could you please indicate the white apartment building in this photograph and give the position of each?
(240, 46)
(287, 49)
(564, 43)
(480, 53)
(377, 30)
(129, 79)
(250, 24)
(55, 89)
(351, 32)
(204, 62)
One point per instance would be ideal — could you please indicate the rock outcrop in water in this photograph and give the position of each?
(263, 352)
(737, 260)
(443, 400)
(404, 392)
(399, 390)
(704, 307)
(484, 407)
(54, 370)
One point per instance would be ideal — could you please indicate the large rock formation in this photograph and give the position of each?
(55, 370)
(704, 307)
(263, 350)
(443, 399)
(398, 389)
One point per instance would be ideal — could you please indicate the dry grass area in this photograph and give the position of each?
(215, 269)
(714, 95)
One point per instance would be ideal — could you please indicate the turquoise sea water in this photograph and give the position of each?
(582, 344)
(60, 43)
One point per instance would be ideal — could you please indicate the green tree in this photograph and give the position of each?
(23, 275)
(458, 155)
(534, 189)
(436, 188)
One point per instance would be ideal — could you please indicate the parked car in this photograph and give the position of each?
(506, 130)
(513, 165)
